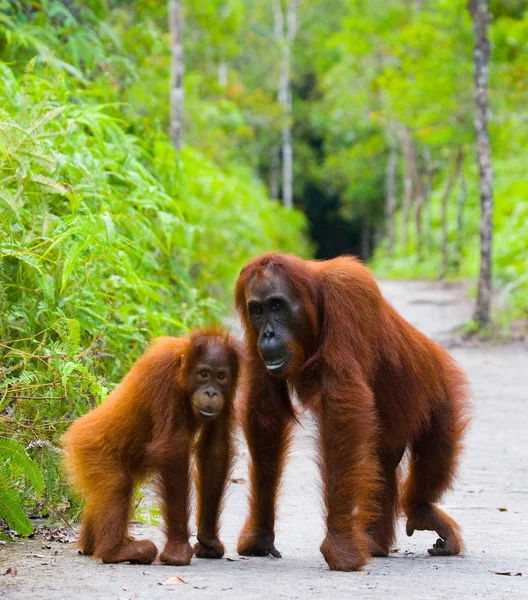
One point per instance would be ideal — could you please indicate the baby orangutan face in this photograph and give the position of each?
(211, 380)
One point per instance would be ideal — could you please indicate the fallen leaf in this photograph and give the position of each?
(224, 589)
(11, 571)
(230, 559)
(509, 573)
(238, 480)
(503, 509)
(364, 572)
(394, 550)
(173, 581)
(35, 555)
(199, 587)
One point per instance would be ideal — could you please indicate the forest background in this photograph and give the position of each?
(110, 236)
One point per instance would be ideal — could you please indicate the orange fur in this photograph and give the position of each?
(377, 386)
(146, 425)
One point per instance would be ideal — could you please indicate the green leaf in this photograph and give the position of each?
(50, 185)
(10, 506)
(10, 200)
(70, 260)
(16, 454)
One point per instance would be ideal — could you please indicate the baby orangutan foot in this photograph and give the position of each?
(342, 553)
(140, 552)
(209, 548)
(177, 554)
(255, 543)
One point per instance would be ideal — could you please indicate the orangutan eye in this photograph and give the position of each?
(204, 374)
(255, 310)
(221, 376)
(276, 305)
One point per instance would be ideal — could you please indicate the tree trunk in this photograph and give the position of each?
(460, 220)
(177, 70)
(407, 188)
(428, 208)
(391, 199)
(481, 19)
(444, 202)
(365, 240)
(222, 73)
(274, 180)
(419, 192)
(285, 32)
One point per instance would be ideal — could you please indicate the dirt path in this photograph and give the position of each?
(494, 476)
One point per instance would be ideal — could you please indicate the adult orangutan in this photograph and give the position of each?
(376, 385)
(179, 390)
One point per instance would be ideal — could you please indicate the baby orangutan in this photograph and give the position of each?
(180, 390)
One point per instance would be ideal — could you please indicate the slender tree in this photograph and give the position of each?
(274, 174)
(177, 70)
(222, 73)
(481, 18)
(460, 220)
(391, 197)
(428, 173)
(407, 185)
(285, 29)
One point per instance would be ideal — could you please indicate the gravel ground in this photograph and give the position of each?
(490, 501)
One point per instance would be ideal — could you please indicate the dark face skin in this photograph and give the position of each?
(211, 379)
(277, 316)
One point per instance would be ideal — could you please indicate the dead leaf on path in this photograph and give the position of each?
(35, 555)
(238, 480)
(508, 573)
(230, 559)
(225, 589)
(364, 572)
(174, 580)
(503, 509)
(394, 550)
(199, 587)
(11, 571)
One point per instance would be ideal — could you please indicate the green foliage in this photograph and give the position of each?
(391, 65)
(108, 237)
(15, 462)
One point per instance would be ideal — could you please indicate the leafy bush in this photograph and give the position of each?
(108, 237)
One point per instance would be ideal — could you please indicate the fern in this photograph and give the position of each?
(15, 454)
(14, 460)
(70, 260)
(10, 505)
